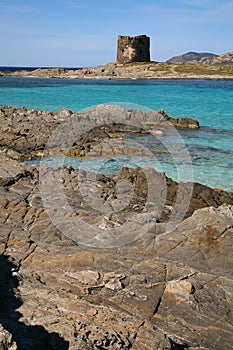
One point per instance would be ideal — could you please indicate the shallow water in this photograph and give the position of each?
(210, 102)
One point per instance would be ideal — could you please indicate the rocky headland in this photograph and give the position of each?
(221, 68)
(156, 288)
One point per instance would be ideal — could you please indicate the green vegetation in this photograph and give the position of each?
(191, 68)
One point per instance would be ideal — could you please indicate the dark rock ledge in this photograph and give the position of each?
(25, 133)
(165, 290)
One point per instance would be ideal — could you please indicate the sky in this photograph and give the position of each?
(83, 33)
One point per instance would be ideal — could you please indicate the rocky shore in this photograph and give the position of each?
(156, 289)
(25, 132)
(147, 70)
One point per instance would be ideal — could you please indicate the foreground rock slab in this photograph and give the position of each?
(165, 290)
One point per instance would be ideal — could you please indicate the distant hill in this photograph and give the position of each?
(191, 56)
(204, 58)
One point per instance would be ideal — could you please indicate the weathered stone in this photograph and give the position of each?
(164, 289)
(6, 341)
(133, 49)
(87, 277)
(180, 290)
(28, 137)
(62, 114)
(160, 291)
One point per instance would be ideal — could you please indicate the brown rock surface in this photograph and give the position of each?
(6, 341)
(26, 132)
(90, 261)
(226, 58)
(165, 290)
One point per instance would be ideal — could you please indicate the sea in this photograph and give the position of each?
(210, 148)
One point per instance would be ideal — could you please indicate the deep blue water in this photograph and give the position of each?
(210, 102)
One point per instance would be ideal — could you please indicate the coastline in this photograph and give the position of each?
(134, 71)
(84, 277)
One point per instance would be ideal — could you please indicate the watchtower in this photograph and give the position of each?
(133, 49)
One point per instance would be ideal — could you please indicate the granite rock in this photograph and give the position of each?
(6, 342)
(101, 131)
(164, 290)
(90, 261)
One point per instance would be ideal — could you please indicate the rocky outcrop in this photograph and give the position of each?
(204, 58)
(190, 57)
(225, 59)
(88, 261)
(164, 290)
(6, 342)
(25, 133)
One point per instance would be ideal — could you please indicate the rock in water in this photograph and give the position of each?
(6, 341)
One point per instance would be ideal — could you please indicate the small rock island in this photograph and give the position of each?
(133, 61)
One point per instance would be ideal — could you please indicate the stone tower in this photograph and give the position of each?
(133, 49)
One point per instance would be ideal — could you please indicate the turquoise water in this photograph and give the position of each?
(210, 102)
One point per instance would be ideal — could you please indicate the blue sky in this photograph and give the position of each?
(77, 33)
